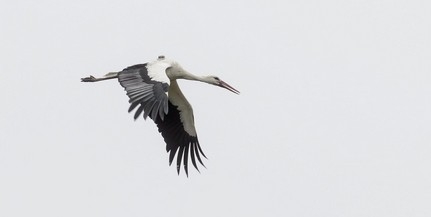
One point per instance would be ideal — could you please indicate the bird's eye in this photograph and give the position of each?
(218, 79)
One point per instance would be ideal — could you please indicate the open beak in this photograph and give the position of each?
(227, 86)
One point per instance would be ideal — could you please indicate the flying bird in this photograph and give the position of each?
(152, 89)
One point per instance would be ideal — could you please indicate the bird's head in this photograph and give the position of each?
(218, 82)
(175, 71)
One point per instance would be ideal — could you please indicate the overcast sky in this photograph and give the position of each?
(333, 117)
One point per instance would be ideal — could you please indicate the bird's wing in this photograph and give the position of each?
(179, 131)
(147, 87)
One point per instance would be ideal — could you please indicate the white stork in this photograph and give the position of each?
(152, 87)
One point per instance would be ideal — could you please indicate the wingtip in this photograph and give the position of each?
(186, 170)
(88, 79)
(178, 169)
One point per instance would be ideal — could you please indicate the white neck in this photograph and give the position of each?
(175, 73)
(192, 77)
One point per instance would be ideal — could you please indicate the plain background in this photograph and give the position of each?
(333, 117)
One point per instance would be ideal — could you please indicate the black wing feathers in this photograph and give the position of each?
(144, 92)
(177, 139)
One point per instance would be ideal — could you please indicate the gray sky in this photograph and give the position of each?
(333, 117)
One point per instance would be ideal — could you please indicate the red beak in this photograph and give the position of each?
(227, 86)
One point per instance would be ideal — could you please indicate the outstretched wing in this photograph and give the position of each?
(147, 88)
(178, 140)
(178, 130)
